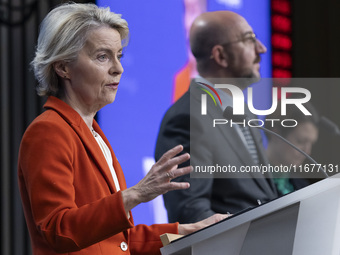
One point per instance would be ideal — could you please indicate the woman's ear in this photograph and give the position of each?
(219, 55)
(61, 69)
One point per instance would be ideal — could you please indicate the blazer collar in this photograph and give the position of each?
(79, 126)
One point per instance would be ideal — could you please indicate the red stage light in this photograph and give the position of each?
(282, 59)
(281, 73)
(281, 38)
(281, 41)
(281, 23)
(281, 6)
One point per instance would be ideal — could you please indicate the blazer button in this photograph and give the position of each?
(123, 246)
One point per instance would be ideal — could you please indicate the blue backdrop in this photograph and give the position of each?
(156, 52)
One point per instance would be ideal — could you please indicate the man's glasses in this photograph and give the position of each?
(249, 37)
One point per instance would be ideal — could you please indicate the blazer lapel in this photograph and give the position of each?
(85, 135)
(266, 183)
(118, 170)
(97, 155)
(116, 165)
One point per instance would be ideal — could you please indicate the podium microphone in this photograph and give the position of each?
(329, 125)
(228, 114)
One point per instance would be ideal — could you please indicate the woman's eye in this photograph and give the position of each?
(102, 57)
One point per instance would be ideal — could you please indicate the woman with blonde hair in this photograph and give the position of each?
(72, 186)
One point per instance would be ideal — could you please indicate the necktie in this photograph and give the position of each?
(250, 142)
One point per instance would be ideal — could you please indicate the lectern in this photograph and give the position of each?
(304, 222)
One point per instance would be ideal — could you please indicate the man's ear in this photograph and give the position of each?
(61, 69)
(219, 55)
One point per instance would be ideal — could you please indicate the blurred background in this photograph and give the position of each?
(302, 38)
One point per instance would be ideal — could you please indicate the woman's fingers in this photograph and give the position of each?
(170, 154)
(169, 158)
(158, 180)
(185, 229)
(176, 172)
(167, 163)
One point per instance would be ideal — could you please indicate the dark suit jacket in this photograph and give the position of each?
(69, 198)
(210, 145)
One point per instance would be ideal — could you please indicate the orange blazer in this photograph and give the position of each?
(69, 199)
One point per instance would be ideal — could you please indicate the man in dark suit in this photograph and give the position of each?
(225, 47)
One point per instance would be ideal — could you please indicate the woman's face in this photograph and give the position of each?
(93, 78)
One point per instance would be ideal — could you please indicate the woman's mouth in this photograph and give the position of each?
(113, 85)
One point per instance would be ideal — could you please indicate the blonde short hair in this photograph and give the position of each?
(63, 34)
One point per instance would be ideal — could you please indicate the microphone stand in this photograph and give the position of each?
(228, 114)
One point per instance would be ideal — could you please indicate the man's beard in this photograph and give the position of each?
(250, 77)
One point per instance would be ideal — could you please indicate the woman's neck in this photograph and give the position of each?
(86, 113)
